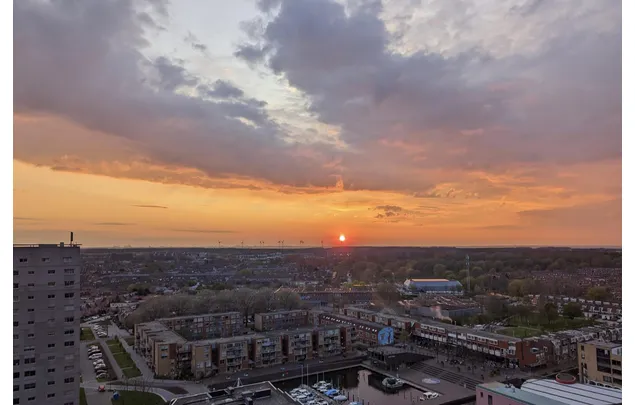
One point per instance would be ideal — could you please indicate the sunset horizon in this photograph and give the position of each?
(188, 123)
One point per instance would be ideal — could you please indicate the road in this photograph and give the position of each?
(98, 398)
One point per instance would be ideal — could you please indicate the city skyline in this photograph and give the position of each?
(187, 123)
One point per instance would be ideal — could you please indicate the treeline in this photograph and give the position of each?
(245, 300)
(490, 269)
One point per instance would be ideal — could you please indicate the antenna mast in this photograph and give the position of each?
(467, 264)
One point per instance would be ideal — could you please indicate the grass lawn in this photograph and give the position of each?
(520, 331)
(82, 397)
(131, 372)
(124, 360)
(86, 334)
(138, 398)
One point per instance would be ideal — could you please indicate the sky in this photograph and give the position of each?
(412, 122)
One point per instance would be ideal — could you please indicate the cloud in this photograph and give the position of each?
(393, 208)
(224, 89)
(427, 104)
(150, 206)
(113, 224)
(203, 230)
(84, 61)
(472, 109)
(195, 43)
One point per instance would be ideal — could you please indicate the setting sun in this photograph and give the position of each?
(342, 238)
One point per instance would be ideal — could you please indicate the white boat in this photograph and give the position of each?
(392, 383)
(319, 383)
(428, 395)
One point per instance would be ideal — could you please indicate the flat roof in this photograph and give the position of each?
(573, 394)
(518, 394)
(358, 322)
(231, 339)
(176, 318)
(429, 279)
(602, 344)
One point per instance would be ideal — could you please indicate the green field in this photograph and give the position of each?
(86, 334)
(520, 331)
(82, 397)
(138, 398)
(123, 359)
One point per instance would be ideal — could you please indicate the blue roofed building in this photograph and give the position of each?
(433, 285)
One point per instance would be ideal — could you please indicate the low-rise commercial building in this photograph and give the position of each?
(545, 392)
(433, 286)
(600, 363)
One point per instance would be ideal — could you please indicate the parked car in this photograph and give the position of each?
(95, 356)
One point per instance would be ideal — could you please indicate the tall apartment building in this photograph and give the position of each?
(331, 340)
(46, 318)
(600, 363)
(281, 320)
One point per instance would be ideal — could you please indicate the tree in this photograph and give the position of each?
(495, 307)
(287, 299)
(572, 310)
(522, 311)
(598, 293)
(388, 293)
(550, 311)
(439, 270)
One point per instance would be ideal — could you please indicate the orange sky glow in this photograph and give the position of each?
(181, 124)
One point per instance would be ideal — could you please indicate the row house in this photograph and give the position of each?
(280, 320)
(207, 326)
(297, 346)
(366, 332)
(604, 310)
(267, 351)
(400, 325)
(165, 352)
(332, 340)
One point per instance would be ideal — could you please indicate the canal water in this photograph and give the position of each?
(359, 384)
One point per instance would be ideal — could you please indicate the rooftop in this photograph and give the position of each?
(214, 315)
(573, 394)
(45, 245)
(604, 345)
(519, 395)
(232, 339)
(357, 322)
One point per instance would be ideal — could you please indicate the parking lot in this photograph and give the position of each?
(87, 350)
